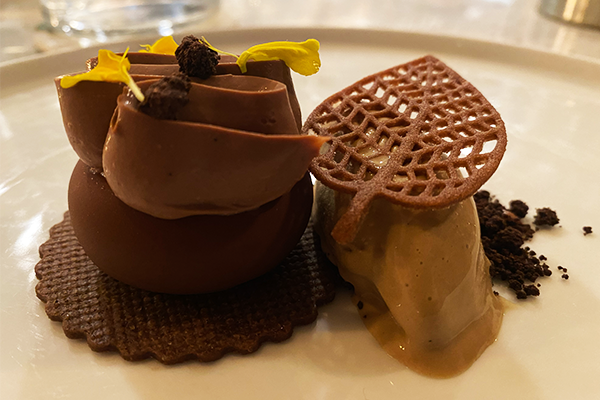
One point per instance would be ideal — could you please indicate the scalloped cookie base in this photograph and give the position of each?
(138, 324)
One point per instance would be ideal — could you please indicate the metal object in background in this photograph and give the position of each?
(584, 12)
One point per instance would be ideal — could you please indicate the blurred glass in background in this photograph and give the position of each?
(102, 18)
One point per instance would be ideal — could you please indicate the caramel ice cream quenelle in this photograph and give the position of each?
(409, 147)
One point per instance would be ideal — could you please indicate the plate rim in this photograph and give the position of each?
(14, 72)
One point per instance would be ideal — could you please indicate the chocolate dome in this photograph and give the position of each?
(196, 254)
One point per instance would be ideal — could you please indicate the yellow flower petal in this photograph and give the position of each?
(164, 45)
(301, 57)
(110, 68)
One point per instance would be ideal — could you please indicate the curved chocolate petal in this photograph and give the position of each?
(247, 103)
(164, 64)
(86, 110)
(274, 69)
(173, 169)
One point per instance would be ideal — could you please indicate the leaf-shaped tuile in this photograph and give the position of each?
(418, 135)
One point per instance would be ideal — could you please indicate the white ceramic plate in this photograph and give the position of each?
(547, 349)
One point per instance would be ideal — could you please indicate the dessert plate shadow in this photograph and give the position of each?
(547, 348)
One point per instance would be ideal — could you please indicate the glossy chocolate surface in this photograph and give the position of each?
(88, 106)
(173, 169)
(197, 254)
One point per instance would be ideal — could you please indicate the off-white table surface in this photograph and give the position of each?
(515, 22)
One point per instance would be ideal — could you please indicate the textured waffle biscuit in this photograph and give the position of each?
(418, 135)
(173, 328)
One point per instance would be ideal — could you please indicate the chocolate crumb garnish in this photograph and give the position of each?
(518, 208)
(565, 276)
(360, 305)
(587, 230)
(503, 236)
(545, 216)
(164, 98)
(560, 268)
(195, 58)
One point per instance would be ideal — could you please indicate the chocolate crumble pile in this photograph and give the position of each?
(195, 58)
(503, 236)
(587, 230)
(164, 98)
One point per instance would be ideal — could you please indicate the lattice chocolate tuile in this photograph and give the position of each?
(407, 134)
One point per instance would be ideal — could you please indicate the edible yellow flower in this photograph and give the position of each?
(110, 68)
(164, 45)
(301, 57)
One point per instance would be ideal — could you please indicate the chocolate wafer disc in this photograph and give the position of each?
(418, 135)
(173, 328)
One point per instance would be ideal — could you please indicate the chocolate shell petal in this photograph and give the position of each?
(274, 69)
(86, 110)
(173, 169)
(239, 102)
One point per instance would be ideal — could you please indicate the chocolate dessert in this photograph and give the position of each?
(196, 164)
(192, 185)
(394, 209)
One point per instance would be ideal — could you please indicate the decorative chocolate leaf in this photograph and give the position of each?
(418, 135)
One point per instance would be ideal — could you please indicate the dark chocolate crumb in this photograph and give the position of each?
(543, 257)
(564, 269)
(164, 98)
(496, 293)
(196, 59)
(587, 230)
(531, 290)
(565, 276)
(521, 294)
(518, 208)
(545, 216)
(503, 235)
(560, 267)
(360, 305)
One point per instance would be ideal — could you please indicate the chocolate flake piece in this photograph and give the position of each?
(164, 98)
(139, 324)
(518, 208)
(545, 216)
(417, 135)
(196, 59)
(587, 230)
(565, 276)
